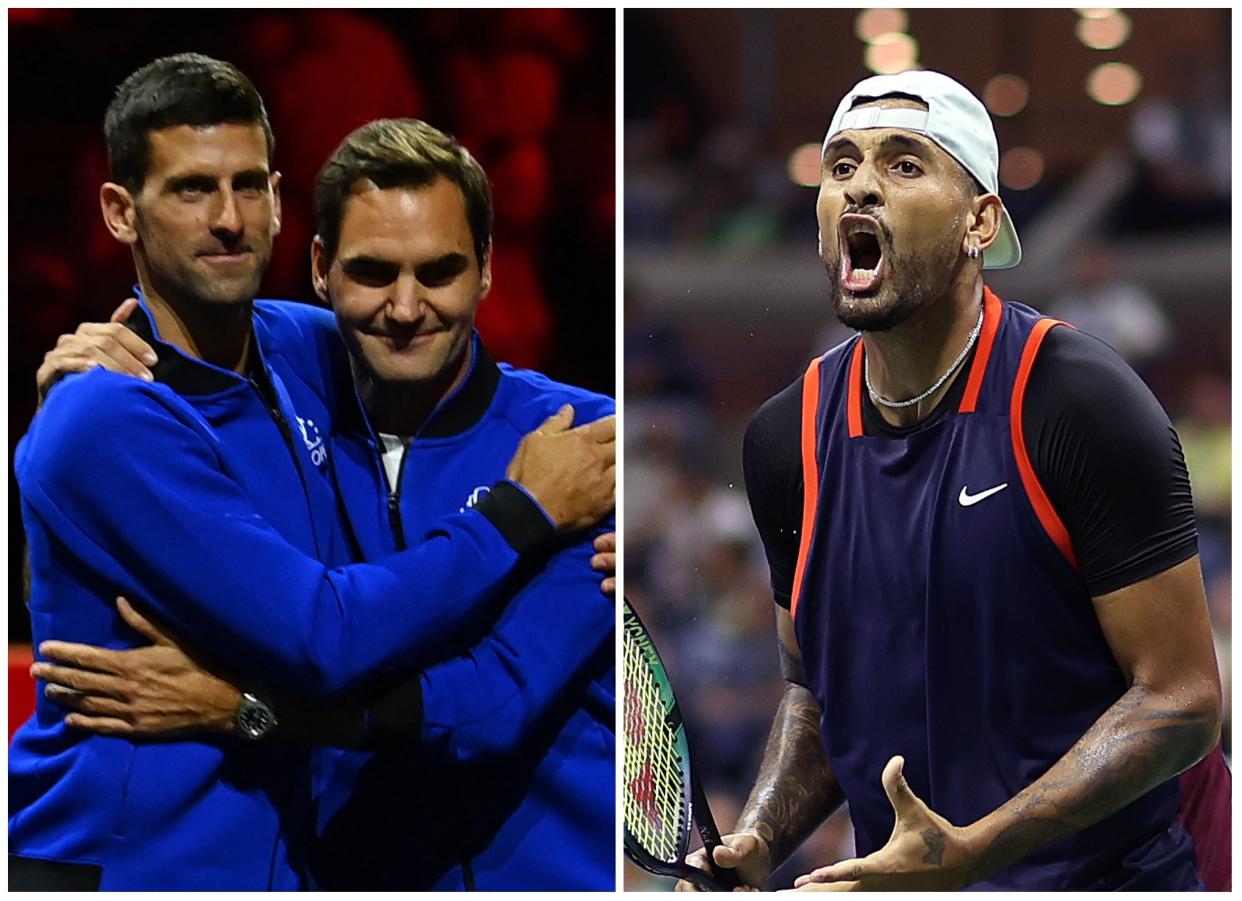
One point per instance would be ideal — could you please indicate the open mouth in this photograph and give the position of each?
(862, 254)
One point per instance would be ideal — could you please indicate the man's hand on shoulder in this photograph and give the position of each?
(107, 344)
(570, 472)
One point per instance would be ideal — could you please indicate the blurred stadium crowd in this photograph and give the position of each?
(529, 92)
(706, 189)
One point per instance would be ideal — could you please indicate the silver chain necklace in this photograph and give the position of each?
(897, 404)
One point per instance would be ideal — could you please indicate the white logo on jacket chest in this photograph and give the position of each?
(475, 496)
(313, 440)
(969, 500)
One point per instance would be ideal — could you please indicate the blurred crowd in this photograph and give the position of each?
(528, 92)
(697, 182)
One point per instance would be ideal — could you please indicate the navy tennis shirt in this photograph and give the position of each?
(943, 613)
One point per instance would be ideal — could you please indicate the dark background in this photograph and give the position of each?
(1126, 234)
(529, 92)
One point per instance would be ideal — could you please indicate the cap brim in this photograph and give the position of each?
(1005, 252)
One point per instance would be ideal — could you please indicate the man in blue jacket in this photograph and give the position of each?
(209, 496)
(501, 774)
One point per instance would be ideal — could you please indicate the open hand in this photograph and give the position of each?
(924, 852)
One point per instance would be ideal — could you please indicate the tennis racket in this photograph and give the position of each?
(662, 796)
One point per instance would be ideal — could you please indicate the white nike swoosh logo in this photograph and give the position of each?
(967, 500)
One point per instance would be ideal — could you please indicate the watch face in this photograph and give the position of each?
(254, 719)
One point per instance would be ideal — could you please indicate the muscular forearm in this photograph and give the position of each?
(795, 790)
(1142, 740)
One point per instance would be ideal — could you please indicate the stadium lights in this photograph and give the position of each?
(892, 52)
(803, 165)
(1106, 32)
(1021, 168)
(871, 23)
(1114, 84)
(1006, 95)
(1095, 13)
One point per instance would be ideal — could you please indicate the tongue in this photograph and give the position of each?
(860, 279)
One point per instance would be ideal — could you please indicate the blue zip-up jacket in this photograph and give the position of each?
(509, 782)
(208, 499)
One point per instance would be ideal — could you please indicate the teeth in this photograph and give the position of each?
(859, 228)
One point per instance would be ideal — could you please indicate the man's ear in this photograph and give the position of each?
(120, 214)
(985, 221)
(275, 182)
(320, 264)
(485, 276)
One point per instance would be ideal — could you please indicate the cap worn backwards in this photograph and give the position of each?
(955, 119)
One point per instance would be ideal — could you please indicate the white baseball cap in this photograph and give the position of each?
(955, 119)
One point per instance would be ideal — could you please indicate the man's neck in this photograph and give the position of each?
(402, 408)
(908, 359)
(217, 335)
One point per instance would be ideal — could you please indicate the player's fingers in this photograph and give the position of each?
(123, 312)
(734, 849)
(601, 431)
(141, 624)
(604, 563)
(559, 421)
(118, 349)
(86, 703)
(103, 725)
(898, 790)
(685, 885)
(830, 887)
(843, 871)
(83, 656)
(606, 543)
(76, 679)
(609, 586)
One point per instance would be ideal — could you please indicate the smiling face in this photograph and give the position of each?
(405, 281)
(893, 210)
(207, 212)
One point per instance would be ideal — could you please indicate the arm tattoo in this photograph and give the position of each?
(795, 790)
(1134, 746)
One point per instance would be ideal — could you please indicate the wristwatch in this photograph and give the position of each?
(255, 719)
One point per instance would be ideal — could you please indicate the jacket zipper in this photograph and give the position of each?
(394, 503)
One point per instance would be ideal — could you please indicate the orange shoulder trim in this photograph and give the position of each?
(810, 475)
(987, 336)
(1044, 510)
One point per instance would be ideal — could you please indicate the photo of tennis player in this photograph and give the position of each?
(927, 378)
(321, 593)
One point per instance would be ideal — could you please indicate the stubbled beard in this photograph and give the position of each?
(909, 286)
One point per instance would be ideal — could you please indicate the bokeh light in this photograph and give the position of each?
(891, 53)
(1095, 12)
(803, 166)
(1021, 168)
(1006, 95)
(1106, 32)
(871, 23)
(1114, 84)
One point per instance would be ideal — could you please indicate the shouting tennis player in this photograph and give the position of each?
(982, 547)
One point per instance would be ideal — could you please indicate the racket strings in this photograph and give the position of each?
(652, 765)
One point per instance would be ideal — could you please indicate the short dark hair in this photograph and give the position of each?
(401, 153)
(186, 89)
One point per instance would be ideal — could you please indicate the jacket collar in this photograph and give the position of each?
(176, 369)
(457, 413)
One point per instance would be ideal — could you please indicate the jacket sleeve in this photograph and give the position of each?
(133, 485)
(487, 702)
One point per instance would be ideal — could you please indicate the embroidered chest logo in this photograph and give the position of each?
(969, 500)
(313, 440)
(475, 496)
